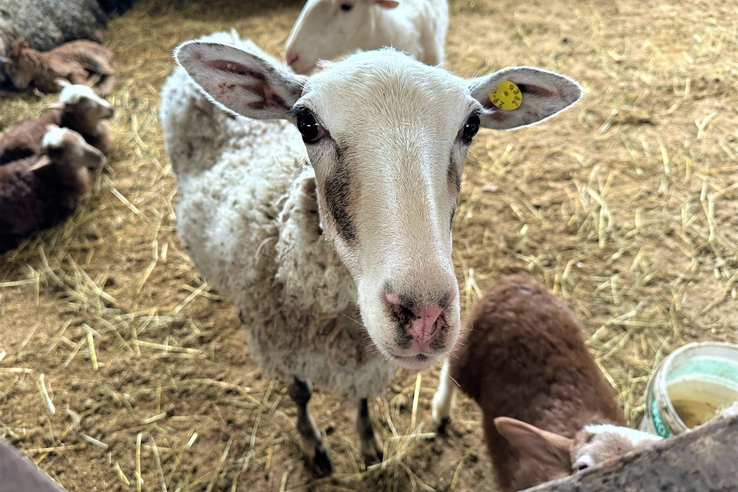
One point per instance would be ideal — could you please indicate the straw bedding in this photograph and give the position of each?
(122, 369)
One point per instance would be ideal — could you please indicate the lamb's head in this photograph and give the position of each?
(592, 445)
(22, 63)
(326, 29)
(67, 147)
(387, 137)
(80, 103)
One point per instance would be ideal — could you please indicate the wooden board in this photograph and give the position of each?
(19, 474)
(704, 460)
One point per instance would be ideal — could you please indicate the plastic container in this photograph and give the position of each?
(690, 386)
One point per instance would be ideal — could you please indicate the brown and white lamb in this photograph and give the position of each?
(78, 109)
(79, 62)
(547, 410)
(40, 191)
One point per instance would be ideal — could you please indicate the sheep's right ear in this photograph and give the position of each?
(62, 82)
(55, 105)
(547, 447)
(239, 81)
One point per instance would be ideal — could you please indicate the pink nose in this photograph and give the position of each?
(423, 327)
(420, 323)
(290, 58)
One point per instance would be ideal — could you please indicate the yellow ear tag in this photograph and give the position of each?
(506, 96)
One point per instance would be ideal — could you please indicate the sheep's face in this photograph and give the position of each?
(326, 29)
(68, 147)
(387, 137)
(598, 443)
(22, 64)
(81, 103)
(563, 456)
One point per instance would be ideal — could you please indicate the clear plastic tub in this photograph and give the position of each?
(690, 386)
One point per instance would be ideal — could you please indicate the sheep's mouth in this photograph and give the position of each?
(415, 362)
(307, 70)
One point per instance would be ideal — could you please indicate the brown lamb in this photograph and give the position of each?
(79, 62)
(78, 109)
(40, 191)
(547, 410)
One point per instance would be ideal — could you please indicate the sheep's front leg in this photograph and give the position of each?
(443, 400)
(371, 445)
(80, 76)
(311, 441)
(108, 83)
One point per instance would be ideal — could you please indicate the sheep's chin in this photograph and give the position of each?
(412, 362)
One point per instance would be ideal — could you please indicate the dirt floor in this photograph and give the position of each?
(626, 206)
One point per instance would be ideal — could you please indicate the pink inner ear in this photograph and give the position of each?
(388, 4)
(259, 87)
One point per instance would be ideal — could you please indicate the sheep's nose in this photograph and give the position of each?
(290, 58)
(418, 321)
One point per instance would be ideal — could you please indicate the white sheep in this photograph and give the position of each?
(326, 29)
(338, 261)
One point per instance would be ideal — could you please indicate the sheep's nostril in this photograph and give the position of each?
(290, 58)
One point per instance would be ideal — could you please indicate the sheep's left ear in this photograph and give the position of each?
(387, 4)
(242, 82)
(541, 94)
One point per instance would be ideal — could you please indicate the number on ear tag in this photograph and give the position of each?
(506, 96)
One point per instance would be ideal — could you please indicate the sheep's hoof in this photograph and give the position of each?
(442, 426)
(321, 462)
(371, 450)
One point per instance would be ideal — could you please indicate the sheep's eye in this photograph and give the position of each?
(347, 6)
(471, 127)
(309, 127)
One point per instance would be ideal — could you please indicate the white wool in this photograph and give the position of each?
(635, 436)
(72, 94)
(54, 138)
(248, 218)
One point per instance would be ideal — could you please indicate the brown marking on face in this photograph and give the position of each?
(452, 175)
(338, 191)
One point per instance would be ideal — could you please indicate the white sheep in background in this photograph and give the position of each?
(326, 29)
(338, 261)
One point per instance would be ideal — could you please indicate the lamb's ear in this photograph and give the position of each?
(241, 82)
(55, 105)
(61, 82)
(547, 447)
(41, 163)
(541, 95)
